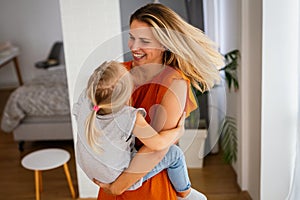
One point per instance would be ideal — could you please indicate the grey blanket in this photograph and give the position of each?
(45, 95)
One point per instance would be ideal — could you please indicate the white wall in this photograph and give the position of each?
(279, 96)
(92, 34)
(33, 25)
(250, 124)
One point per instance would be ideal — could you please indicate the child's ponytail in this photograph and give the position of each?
(90, 130)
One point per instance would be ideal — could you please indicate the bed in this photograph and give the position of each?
(39, 110)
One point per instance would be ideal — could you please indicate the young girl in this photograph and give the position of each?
(107, 127)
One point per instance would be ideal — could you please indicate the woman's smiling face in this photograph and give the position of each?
(143, 45)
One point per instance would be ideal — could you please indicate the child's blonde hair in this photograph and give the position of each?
(109, 89)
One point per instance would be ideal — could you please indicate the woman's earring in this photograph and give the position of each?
(165, 48)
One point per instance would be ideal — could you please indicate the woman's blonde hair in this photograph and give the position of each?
(187, 47)
(109, 89)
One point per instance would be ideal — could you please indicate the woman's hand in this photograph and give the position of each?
(106, 187)
(180, 125)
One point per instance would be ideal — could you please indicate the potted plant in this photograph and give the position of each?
(228, 127)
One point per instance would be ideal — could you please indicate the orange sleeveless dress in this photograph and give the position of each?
(159, 186)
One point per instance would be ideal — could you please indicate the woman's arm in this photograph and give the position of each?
(153, 140)
(145, 160)
(172, 106)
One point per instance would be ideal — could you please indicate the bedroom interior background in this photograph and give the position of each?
(88, 30)
(250, 28)
(34, 45)
(33, 29)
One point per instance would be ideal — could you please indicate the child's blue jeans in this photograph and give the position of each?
(174, 162)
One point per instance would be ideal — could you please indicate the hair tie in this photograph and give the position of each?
(96, 108)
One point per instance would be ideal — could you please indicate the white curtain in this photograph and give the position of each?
(295, 186)
(294, 193)
(222, 25)
(211, 29)
(295, 181)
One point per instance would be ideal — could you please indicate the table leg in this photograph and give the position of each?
(37, 184)
(41, 181)
(67, 172)
(15, 59)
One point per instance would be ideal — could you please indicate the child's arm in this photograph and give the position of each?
(145, 159)
(153, 140)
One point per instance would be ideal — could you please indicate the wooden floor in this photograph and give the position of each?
(216, 179)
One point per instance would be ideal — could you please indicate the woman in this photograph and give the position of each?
(168, 56)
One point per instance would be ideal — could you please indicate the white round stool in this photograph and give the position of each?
(44, 160)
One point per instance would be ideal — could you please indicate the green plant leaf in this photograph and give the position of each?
(230, 69)
(228, 128)
(228, 131)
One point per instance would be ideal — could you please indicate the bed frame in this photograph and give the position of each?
(43, 129)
